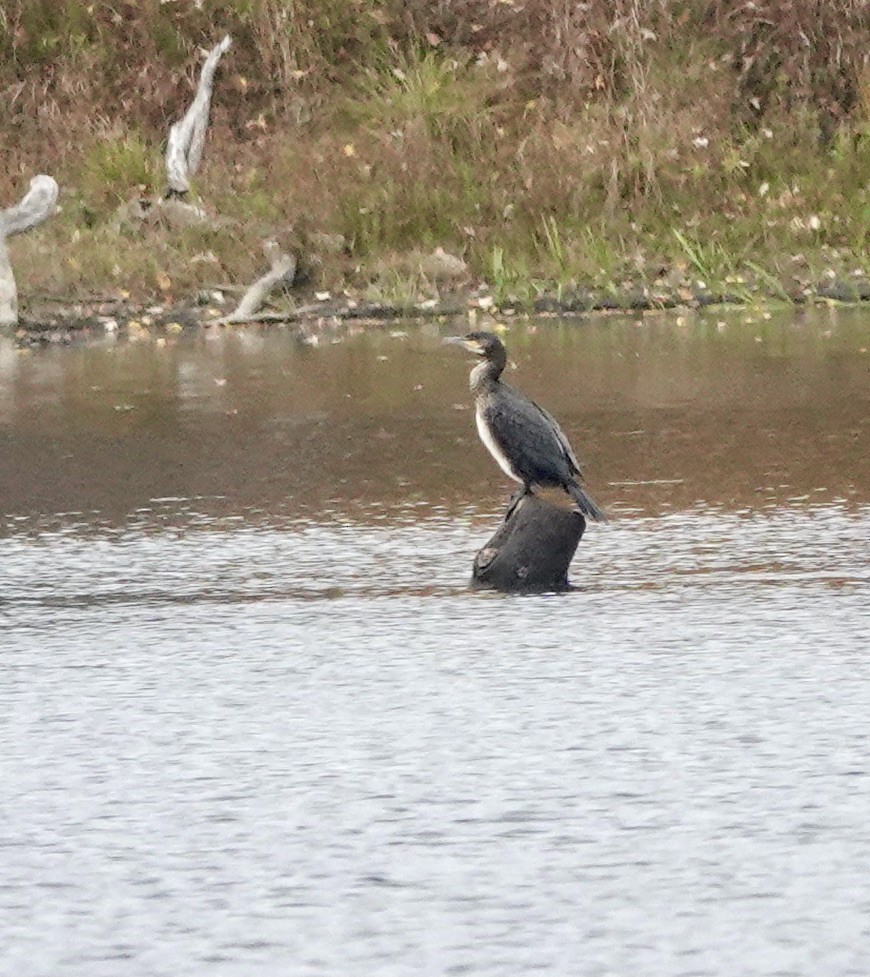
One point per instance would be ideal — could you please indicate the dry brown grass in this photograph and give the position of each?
(544, 139)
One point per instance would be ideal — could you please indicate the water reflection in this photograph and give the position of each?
(665, 413)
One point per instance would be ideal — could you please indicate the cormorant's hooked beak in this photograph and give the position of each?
(471, 345)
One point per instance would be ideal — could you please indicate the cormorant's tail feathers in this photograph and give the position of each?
(585, 503)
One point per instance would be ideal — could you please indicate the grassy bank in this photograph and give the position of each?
(554, 146)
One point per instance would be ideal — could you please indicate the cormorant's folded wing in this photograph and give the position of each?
(562, 439)
(530, 438)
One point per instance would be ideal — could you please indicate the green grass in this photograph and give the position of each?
(396, 289)
(472, 126)
(441, 97)
(115, 168)
(711, 262)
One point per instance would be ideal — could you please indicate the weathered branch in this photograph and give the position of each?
(532, 549)
(187, 137)
(283, 271)
(38, 204)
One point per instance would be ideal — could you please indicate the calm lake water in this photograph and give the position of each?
(253, 721)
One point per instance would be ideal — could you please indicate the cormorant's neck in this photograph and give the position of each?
(485, 374)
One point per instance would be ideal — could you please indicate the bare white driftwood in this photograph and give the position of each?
(38, 204)
(187, 137)
(282, 272)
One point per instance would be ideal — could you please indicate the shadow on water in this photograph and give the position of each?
(253, 720)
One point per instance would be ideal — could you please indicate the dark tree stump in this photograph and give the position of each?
(532, 550)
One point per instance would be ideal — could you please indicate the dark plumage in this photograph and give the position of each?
(524, 439)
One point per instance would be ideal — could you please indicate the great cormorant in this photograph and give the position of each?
(524, 439)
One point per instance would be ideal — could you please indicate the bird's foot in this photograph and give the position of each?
(515, 500)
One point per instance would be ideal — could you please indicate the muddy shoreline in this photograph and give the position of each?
(53, 321)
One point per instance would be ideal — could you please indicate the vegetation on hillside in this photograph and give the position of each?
(551, 143)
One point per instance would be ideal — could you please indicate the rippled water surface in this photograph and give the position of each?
(252, 720)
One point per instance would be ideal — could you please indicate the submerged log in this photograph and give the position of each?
(532, 549)
(37, 205)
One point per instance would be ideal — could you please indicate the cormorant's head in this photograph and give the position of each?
(486, 345)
